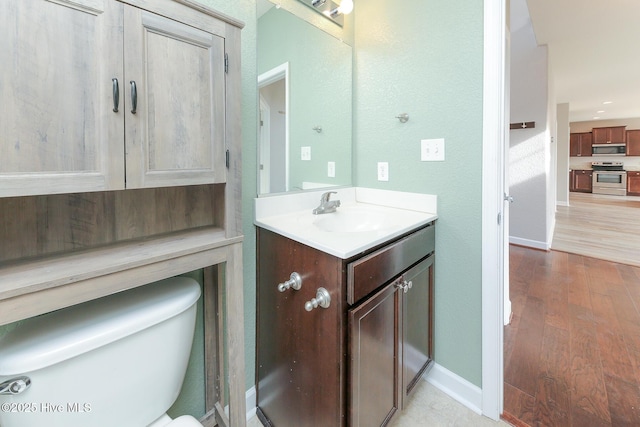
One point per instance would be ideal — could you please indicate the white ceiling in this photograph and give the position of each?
(594, 52)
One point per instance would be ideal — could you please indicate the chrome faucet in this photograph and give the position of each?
(326, 205)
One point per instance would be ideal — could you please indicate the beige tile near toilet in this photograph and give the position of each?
(430, 407)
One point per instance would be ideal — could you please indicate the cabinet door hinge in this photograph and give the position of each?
(226, 158)
(226, 63)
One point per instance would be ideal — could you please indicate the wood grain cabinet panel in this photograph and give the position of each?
(633, 142)
(417, 325)
(300, 356)
(633, 183)
(57, 126)
(374, 339)
(72, 120)
(176, 136)
(580, 144)
(609, 135)
(582, 181)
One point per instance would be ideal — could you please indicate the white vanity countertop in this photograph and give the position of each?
(366, 218)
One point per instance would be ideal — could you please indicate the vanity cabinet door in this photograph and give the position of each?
(417, 324)
(300, 356)
(177, 134)
(374, 350)
(56, 96)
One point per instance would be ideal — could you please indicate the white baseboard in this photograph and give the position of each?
(456, 387)
(452, 384)
(251, 403)
(530, 243)
(559, 203)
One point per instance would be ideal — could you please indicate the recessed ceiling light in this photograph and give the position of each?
(600, 111)
(596, 118)
(607, 102)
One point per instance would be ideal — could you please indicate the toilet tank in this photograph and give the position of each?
(115, 361)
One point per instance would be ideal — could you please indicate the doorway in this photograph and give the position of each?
(273, 125)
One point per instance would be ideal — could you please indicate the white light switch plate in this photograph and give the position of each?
(432, 150)
(305, 153)
(331, 169)
(383, 171)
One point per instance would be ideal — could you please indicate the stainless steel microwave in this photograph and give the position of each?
(609, 149)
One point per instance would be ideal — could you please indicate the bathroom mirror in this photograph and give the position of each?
(305, 88)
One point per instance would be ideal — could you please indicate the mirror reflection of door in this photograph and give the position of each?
(274, 131)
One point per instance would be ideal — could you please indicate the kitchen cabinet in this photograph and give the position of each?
(609, 135)
(580, 144)
(581, 180)
(106, 96)
(355, 362)
(633, 142)
(633, 183)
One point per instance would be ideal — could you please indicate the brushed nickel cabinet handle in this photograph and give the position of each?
(134, 97)
(322, 299)
(294, 282)
(116, 94)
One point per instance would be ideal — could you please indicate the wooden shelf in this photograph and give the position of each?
(36, 286)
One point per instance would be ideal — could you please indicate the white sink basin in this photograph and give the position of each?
(353, 220)
(365, 219)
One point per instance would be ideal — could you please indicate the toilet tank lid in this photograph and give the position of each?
(54, 337)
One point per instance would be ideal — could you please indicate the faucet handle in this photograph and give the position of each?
(326, 196)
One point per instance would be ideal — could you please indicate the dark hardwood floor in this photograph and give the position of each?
(572, 350)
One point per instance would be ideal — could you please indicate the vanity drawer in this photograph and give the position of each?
(370, 272)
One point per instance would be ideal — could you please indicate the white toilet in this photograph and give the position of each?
(118, 361)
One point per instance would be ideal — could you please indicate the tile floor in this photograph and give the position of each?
(430, 407)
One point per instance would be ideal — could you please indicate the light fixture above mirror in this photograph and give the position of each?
(333, 11)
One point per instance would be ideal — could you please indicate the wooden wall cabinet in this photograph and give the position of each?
(633, 142)
(581, 180)
(355, 362)
(633, 183)
(106, 96)
(609, 135)
(580, 144)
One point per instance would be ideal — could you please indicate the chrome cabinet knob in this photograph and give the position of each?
(322, 299)
(404, 285)
(294, 282)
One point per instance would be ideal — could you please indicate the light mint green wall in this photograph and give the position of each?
(424, 58)
(320, 94)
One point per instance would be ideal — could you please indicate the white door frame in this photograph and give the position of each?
(264, 150)
(493, 143)
(273, 75)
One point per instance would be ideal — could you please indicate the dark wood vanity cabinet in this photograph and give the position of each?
(355, 362)
(300, 355)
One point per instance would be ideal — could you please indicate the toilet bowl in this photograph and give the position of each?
(115, 361)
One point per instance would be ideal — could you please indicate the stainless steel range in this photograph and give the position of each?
(609, 178)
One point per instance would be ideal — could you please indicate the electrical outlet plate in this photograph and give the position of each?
(432, 150)
(383, 171)
(331, 169)
(305, 153)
